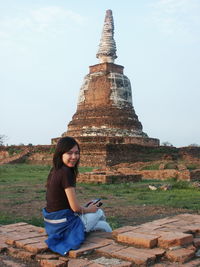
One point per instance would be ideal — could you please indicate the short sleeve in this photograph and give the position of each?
(68, 178)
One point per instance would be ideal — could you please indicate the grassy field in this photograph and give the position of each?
(22, 195)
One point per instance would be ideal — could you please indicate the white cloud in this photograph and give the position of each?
(177, 17)
(55, 13)
(174, 6)
(52, 19)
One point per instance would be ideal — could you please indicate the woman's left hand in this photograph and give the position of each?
(91, 208)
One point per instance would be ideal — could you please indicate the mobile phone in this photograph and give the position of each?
(87, 204)
(98, 202)
(95, 201)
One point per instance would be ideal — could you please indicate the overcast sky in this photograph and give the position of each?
(46, 47)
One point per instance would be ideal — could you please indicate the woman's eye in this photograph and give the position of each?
(71, 153)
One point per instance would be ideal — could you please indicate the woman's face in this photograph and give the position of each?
(71, 157)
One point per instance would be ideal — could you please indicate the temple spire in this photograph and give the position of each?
(107, 46)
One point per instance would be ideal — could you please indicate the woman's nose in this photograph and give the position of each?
(75, 155)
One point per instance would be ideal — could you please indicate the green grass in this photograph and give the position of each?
(151, 167)
(171, 165)
(13, 150)
(22, 194)
(8, 219)
(192, 166)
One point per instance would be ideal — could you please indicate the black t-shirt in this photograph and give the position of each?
(59, 181)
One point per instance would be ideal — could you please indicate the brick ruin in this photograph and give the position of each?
(105, 122)
(171, 241)
(170, 162)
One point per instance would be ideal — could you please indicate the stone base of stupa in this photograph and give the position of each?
(100, 151)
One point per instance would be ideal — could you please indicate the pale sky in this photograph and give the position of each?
(47, 46)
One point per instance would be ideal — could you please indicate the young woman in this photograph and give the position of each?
(66, 221)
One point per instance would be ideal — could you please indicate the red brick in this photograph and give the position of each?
(99, 240)
(78, 263)
(111, 262)
(148, 229)
(134, 255)
(174, 239)
(53, 263)
(20, 228)
(183, 227)
(123, 230)
(193, 263)
(13, 226)
(22, 243)
(180, 255)
(84, 249)
(188, 218)
(158, 252)
(103, 265)
(138, 239)
(191, 247)
(108, 250)
(178, 224)
(20, 254)
(12, 250)
(196, 242)
(171, 228)
(11, 263)
(51, 256)
(3, 244)
(95, 265)
(63, 258)
(17, 236)
(40, 229)
(167, 265)
(164, 221)
(29, 228)
(36, 247)
(99, 234)
(123, 264)
(194, 228)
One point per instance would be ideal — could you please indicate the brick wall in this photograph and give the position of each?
(103, 153)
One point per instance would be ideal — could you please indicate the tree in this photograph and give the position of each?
(194, 145)
(2, 139)
(166, 143)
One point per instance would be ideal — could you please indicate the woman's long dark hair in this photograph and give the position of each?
(64, 145)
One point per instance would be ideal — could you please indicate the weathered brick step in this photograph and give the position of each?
(138, 239)
(135, 255)
(28, 237)
(172, 239)
(180, 255)
(147, 244)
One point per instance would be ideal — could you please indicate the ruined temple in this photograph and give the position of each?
(105, 121)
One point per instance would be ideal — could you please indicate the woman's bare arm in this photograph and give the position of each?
(74, 203)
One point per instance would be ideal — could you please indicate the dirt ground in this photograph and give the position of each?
(134, 215)
(127, 215)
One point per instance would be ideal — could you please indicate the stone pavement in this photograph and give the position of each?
(172, 241)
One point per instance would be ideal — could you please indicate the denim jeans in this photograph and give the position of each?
(95, 221)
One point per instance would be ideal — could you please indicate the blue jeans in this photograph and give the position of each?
(95, 221)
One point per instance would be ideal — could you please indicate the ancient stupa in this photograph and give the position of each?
(105, 114)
